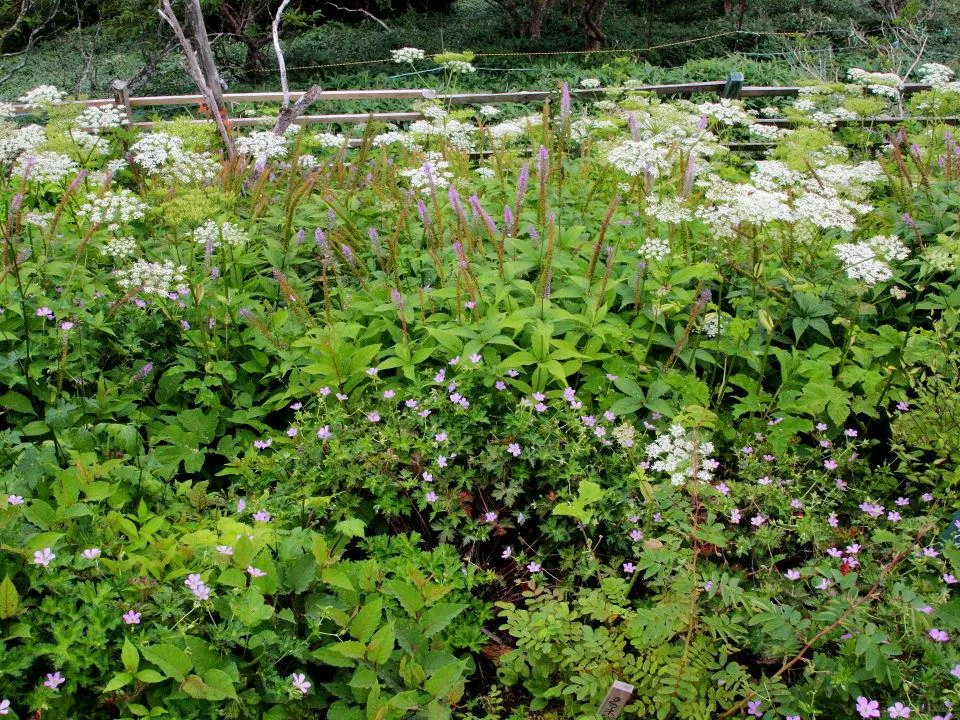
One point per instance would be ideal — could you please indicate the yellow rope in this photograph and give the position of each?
(568, 52)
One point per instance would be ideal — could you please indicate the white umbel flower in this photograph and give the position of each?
(20, 140)
(101, 117)
(113, 208)
(43, 95)
(262, 144)
(328, 140)
(45, 166)
(120, 247)
(673, 453)
(152, 278)
(212, 235)
(407, 55)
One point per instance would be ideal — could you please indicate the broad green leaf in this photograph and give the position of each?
(407, 595)
(380, 646)
(365, 623)
(250, 608)
(352, 527)
(172, 661)
(129, 656)
(118, 681)
(438, 617)
(9, 599)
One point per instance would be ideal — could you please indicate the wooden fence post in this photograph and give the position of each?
(733, 85)
(121, 96)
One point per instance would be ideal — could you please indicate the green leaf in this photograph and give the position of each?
(250, 608)
(215, 685)
(337, 577)
(407, 595)
(9, 599)
(172, 661)
(366, 621)
(129, 656)
(380, 646)
(438, 617)
(118, 681)
(15, 401)
(350, 649)
(352, 527)
(150, 676)
(443, 679)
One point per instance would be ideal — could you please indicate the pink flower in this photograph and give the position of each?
(66, 325)
(54, 680)
(792, 574)
(372, 371)
(533, 567)
(43, 557)
(431, 497)
(255, 572)
(131, 618)
(4, 707)
(44, 312)
(629, 567)
(868, 708)
(753, 708)
(937, 635)
(440, 437)
(262, 444)
(490, 517)
(14, 500)
(898, 710)
(388, 394)
(509, 551)
(261, 516)
(324, 433)
(292, 432)
(91, 553)
(373, 417)
(476, 359)
(514, 449)
(500, 385)
(830, 464)
(300, 683)
(956, 671)
(930, 552)
(225, 549)
(757, 520)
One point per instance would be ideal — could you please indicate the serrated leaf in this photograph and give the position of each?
(380, 646)
(118, 681)
(351, 527)
(150, 676)
(438, 617)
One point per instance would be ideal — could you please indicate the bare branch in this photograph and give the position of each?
(193, 68)
(361, 10)
(289, 114)
(280, 61)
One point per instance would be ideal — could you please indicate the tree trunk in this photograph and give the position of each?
(198, 35)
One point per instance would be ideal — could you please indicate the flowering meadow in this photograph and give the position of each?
(474, 417)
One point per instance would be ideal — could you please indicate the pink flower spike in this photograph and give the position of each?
(131, 618)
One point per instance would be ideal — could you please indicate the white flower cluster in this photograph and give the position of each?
(7, 110)
(40, 220)
(434, 112)
(16, 141)
(589, 83)
(886, 91)
(863, 77)
(804, 105)
(113, 209)
(736, 204)
(395, 137)
(459, 67)
(45, 166)
(119, 247)
(826, 209)
(673, 453)
(488, 111)
(43, 95)
(773, 175)
(152, 278)
(262, 144)
(935, 74)
(434, 172)
(328, 140)
(407, 55)
(88, 142)
(211, 235)
(767, 132)
(669, 210)
(512, 129)
(101, 117)
(585, 127)
(638, 157)
(457, 133)
(164, 156)
(829, 118)
(868, 260)
(486, 172)
(713, 324)
(727, 112)
(654, 249)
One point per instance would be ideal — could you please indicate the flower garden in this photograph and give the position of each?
(475, 417)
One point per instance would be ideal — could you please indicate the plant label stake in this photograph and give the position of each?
(617, 698)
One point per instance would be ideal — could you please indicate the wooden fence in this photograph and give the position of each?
(732, 87)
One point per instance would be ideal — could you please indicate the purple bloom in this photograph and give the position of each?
(142, 373)
(490, 517)
(43, 557)
(792, 574)
(431, 497)
(509, 551)
(261, 516)
(324, 433)
(262, 444)
(514, 449)
(533, 567)
(54, 680)
(131, 618)
(4, 707)
(830, 464)
(898, 710)
(868, 708)
(373, 417)
(636, 535)
(91, 553)
(14, 500)
(753, 708)
(300, 683)
(629, 568)
(440, 437)
(45, 313)
(940, 636)
(255, 572)
(292, 432)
